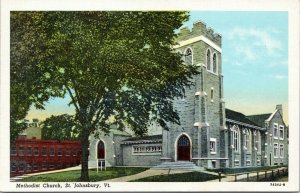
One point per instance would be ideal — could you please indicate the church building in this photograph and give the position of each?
(209, 135)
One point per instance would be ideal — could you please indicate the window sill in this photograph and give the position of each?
(213, 153)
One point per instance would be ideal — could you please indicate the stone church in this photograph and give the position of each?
(209, 135)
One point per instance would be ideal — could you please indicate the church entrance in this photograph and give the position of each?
(183, 148)
(101, 150)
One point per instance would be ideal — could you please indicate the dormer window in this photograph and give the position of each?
(188, 57)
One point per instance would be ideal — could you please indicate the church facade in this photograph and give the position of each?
(209, 135)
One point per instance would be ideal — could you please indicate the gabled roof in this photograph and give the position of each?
(144, 139)
(259, 119)
(119, 132)
(240, 118)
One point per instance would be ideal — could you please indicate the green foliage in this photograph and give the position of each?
(16, 127)
(112, 64)
(184, 177)
(61, 127)
(74, 176)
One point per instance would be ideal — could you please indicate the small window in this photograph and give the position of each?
(212, 145)
(281, 132)
(214, 163)
(36, 151)
(29, 151)
(68, 152)
(275, 150)
(68, 164)
(188, 58)
(21, 151)
(44, 151)
(281, 150)
(29, 167)
(59, 165)
(212, 94)
(51, 165)
(275, 131)
(52, 152)
(75, 152)
(13, 167)
(44, 166)
(208, 61)
(248, 163)
(59, 152)
(215, 63)
(236, 163)
(13, 150)
(35, 166)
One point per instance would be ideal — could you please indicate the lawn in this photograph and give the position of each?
(243, 170)
(73, 176)
(184, 177)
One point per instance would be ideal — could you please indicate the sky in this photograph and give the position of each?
(254, 62)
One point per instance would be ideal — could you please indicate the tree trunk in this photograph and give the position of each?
(84, 139)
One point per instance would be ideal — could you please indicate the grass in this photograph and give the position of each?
(184, 177)
(73, 176)
(243, 170)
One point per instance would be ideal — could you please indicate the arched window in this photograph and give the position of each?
(258, 142)
(188, 57)
(215, 63)
(248, 140)
(208, 66)
(235, 135)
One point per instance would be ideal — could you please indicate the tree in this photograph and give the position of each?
(61, 127)
(111, 64)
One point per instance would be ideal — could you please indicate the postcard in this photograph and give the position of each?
(147, 96)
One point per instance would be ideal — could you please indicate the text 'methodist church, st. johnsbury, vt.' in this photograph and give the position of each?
(209, 136)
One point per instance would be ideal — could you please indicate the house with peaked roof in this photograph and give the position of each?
(275, 138)
(209, 136)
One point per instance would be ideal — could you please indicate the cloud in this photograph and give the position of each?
(260, 38)
(279, 76)
(255, 46)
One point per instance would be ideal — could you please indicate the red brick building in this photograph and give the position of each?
(37, 155)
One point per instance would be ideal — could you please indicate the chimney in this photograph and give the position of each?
(279, 108)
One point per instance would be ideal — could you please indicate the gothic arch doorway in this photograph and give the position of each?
(101, 150)
(183, 148)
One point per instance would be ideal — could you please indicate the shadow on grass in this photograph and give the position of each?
(74, 176)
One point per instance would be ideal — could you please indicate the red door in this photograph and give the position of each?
(101, 150)
(183, 148)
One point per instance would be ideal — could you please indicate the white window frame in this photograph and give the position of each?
(151, 149)
(213, 141)
(236, 135)
(281, 128)
(275, 129)
(281, 150)
(248, 140)
(258, 142)
(275, 151)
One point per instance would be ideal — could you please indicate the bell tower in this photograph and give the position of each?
(201, 111)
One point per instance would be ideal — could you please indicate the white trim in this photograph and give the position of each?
(196, 39)
(176, 141)
(271, 116)
(277, 152)
(281, 127)
(275, 136)
(213, 140)
(282, 150)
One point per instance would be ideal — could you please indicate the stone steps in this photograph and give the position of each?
(179, 165)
